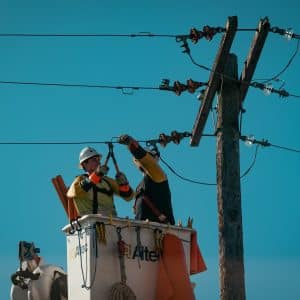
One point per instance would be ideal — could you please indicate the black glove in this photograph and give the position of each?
(102, 170)
(121, 179)
(126, 139)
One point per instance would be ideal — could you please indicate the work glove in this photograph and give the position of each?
(126, 139)
(131, 143)
(121, 179)
(101, 170)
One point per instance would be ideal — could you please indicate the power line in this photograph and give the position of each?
(295, 96)
(281, 92)
(285, 68)
(79, 85)
(195, 34)
(285, 148)
(132, 35)
(249, 140)
(265, 143)
(163, 140)
(54, 143)
(206, 183)
(288, 33)
(184, 178)
(252, 164)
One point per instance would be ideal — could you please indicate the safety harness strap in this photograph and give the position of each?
(97, 190)
(150, 204)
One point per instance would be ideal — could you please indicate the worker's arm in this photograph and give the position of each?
(79, 187)
(143, 158)
(152, 168)
(122, 189)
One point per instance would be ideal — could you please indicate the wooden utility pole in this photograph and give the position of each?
(231, 256)
(231, 95)
(214, 80)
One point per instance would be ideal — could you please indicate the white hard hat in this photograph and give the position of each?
(87, 153)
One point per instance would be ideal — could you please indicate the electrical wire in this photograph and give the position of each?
(132, 35)
(184, 178)
(295, 96)
(284, 69)
(206, 183)
(114, 142)
(104, 35)
(261, 86)
(55, 143)
(281, 92)
(285, 148)
(201, 66)
(79, 85)
(252, 164)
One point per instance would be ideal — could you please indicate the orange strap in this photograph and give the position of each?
(150, 204)
(94, 178)
(124, 188)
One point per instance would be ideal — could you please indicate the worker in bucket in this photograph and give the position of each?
(93, 192)
(35, 279)
(153, 196)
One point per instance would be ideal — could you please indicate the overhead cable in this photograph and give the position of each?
(285, 148)
(195, 34)
(288, 33)
(264, 87)
(265, 143)
(184, 178)
(79, 85)
(252, 164)
(206, 183)
(275, 77)
(132, 35)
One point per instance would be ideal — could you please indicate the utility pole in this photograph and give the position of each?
(231, 255)
(232, 93)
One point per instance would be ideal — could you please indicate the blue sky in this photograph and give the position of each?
(31, 209)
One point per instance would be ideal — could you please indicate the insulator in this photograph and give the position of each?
(283, 93)
(176, 137)
(192, 85)
(289, 33)
(268, 88)
(164, 139)
(185, 45)
(195, 35)
(209, 32)
(165, 84)
(179, 88)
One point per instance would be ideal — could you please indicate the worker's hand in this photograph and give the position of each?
(162, 218)
(131, 143)
(126, 139)
(102, 170)
(121, 179)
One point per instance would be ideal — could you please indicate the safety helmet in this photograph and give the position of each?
(87, 153)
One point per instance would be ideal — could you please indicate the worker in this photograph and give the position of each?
(93, 191)
(153, 196)
(35, 279)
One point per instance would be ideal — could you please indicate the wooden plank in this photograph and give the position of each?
(60, 193)
(67, 202)
(214, 80)
(253, 56)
